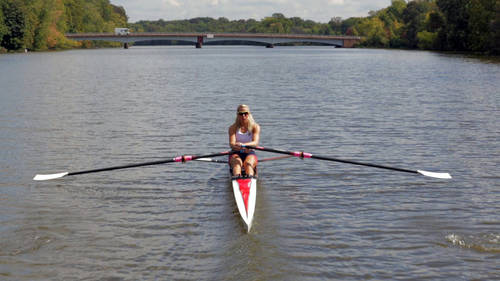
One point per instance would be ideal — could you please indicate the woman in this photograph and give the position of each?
(244, 131)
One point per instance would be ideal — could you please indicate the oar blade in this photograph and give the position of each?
(211, 160)
(204, 159)
(434, 175)
(49, 177)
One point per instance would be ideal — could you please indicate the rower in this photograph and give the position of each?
(244, 131)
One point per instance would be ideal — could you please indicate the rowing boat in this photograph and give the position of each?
(245, 194)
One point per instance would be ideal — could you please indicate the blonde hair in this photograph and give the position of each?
(251, 121)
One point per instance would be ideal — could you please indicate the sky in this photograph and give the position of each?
(316, 10)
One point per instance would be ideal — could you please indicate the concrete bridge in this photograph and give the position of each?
(198, 39)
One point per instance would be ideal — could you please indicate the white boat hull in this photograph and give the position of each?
(245, 194)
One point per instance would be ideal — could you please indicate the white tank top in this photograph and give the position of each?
(243, 137)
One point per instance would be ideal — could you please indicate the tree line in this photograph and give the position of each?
(41, 24)
(448, 25)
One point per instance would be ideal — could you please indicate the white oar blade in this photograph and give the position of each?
(204, 159)
(435, 175)
(49, 177)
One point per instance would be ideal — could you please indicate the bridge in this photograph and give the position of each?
(198, 39)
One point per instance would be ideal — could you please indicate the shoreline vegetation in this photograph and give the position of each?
(455, 26)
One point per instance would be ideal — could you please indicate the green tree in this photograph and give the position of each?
(14, 22)
(3, 28)
(480, 35)
(414, 17)
(397, 8)
(427, 40)
(495, 26)
(374, 32)
(435, 21)
(41, 31)
(275, 24)
(335, 25)
(455, 32)
(349, 26)
(74, 11)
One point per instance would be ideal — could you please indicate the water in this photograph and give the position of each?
(84, 109)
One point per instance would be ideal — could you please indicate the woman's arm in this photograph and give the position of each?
(256, 136)
(232, 138)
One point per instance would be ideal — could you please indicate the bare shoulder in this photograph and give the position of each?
(256, 128)
(232, 129)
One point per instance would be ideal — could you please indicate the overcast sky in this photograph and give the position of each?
(316, 10)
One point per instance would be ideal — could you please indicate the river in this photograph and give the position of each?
(315, 220)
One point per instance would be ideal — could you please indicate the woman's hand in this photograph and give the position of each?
(237, 146)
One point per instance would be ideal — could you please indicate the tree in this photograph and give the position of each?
(426, 40)
(373, 31)
(480, 35)
(414, 17)
(275, 24)
(397, 8)
(41, 31)
(495, 26)
(14, 22)
(455, 32)
(74, 11)
(348, 25)
(278, 16)
(435, 21)
(3, 28)
(336, 25)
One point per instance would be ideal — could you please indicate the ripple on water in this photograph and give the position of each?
(483, 243)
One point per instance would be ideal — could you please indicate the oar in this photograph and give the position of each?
(309, 155)
(183, 158)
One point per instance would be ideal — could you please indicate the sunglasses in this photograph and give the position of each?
(241, 113)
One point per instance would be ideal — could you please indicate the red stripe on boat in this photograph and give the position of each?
(245, 190)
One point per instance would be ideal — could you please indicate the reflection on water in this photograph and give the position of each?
(85, 109)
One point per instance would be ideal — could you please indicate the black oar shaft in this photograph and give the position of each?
(120, 167)
(364, 164)
(309, 155)
(183, 158)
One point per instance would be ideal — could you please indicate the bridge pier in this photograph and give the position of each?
(349, 43)
(199, 44)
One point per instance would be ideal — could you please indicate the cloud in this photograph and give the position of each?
(336, 2)
(174, 3)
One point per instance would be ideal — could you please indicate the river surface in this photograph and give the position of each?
(314, 220)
